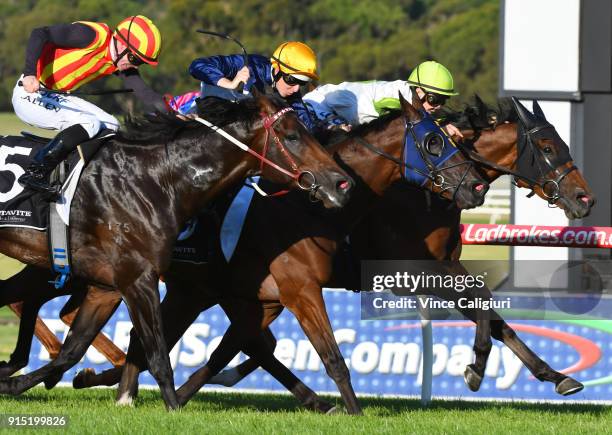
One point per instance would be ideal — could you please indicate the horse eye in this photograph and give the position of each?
(292, 137)
(434, 145)
(547, 150)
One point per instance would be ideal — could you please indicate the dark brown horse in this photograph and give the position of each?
(376, 166)
(139, 191)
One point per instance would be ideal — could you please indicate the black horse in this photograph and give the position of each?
(140, 190)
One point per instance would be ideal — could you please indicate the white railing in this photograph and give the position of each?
(496, 205)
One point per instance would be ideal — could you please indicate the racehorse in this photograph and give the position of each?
(143, 186)
(374, 154)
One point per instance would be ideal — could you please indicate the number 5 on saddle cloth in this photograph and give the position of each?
(25, 208)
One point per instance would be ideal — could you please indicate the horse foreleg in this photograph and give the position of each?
(564, 384)
(260, 349)
(228, 348)
(102, 343)
(230, 377)
(309, 309)
(142, 299)
(179, 309)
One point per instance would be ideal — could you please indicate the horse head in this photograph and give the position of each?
(285, 140)
(432, 160)
(545, 164)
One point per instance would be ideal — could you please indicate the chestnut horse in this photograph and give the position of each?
(141, 188)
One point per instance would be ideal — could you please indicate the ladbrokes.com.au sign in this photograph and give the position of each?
(384, 356)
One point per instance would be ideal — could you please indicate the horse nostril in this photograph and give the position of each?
(343, 185)
(478, 187)
(585, 199)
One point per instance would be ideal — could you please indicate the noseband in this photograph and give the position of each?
(305, 180)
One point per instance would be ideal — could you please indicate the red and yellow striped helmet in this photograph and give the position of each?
(141, 37)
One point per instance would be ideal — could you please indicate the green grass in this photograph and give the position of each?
(94, 411)
(10, 124)
(8, 336)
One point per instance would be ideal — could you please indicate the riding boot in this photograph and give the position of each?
(37, 173)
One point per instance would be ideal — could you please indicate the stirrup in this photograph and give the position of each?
(39, 184)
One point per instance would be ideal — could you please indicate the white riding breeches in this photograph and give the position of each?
(51, 111)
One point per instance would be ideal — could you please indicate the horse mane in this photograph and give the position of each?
(376, 124)
(479, 115)
(157, 127)
(161, 127)
(330, 137)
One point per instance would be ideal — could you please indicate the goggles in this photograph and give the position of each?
(435, 99)
(133, 59)
(292, 81)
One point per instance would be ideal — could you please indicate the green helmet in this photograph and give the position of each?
(434, 77)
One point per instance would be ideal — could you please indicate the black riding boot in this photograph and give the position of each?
(45, 160)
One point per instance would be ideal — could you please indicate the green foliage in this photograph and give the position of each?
(354, 39)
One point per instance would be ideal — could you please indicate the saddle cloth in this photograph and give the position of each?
(20, 207)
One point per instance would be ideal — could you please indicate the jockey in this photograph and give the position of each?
(292, 65)
(353, 103)
(66, 56)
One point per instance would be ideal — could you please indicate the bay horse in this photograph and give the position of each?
(376, 167)
(140, 189)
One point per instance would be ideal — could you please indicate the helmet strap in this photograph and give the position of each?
(276, 75)
(118, 55)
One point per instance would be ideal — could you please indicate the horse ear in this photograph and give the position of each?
(479, 112)
(416, 101)
(411, 114)
(537, 110)
(254, 92)
(527, 118)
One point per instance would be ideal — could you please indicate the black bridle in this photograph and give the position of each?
(544, 164)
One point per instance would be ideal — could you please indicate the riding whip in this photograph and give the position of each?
(245, 56)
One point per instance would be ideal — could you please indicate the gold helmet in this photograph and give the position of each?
(296, 59)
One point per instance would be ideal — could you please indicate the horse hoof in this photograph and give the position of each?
(125, 400)
(472, 378)
(568, 386)
(79, 381)
(51, 381)
(333, 410)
